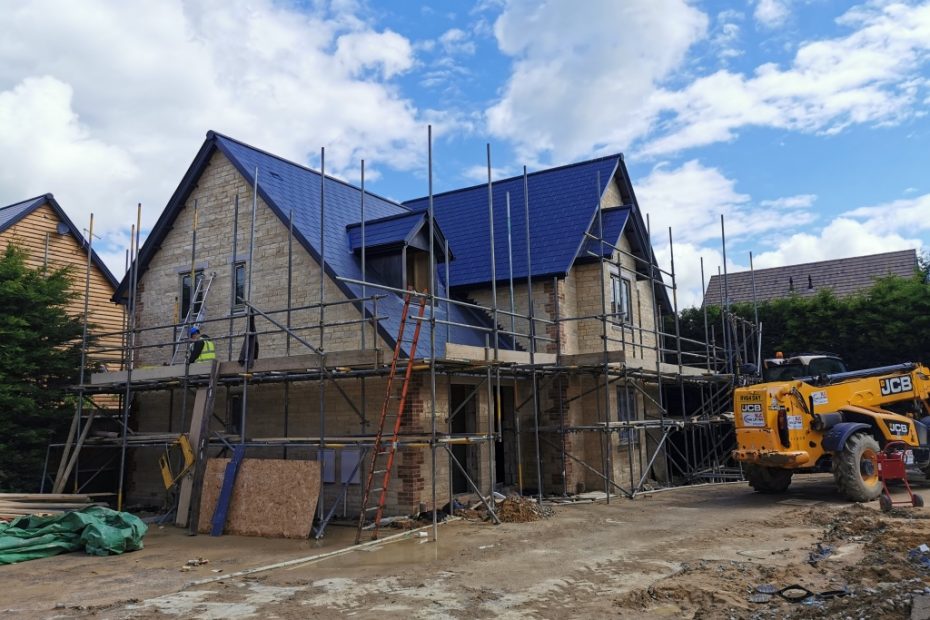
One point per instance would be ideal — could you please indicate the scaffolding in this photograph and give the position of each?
(681, 435)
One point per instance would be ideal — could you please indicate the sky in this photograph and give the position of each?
(802, 122)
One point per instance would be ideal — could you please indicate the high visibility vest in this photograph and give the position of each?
(208, 352)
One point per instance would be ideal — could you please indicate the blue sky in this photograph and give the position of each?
(803, 122)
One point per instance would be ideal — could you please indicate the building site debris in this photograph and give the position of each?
(98, 530)
(518, 509)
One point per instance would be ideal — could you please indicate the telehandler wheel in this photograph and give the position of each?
(768, 479)
(855, 469)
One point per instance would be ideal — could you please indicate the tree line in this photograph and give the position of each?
(887, 323)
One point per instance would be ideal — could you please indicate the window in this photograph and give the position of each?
(626, 412)
(187, 292)
(239, 286)
(621, 305)
(234, 414)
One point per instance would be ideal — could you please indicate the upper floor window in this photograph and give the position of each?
(621, 304)
(239, 287)
(187, 292)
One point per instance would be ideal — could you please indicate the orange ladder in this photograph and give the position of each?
(382, 456)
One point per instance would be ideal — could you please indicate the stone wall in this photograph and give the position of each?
(160, 284)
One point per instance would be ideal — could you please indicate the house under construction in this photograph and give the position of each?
(517, 335)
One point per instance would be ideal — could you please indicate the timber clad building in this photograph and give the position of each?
(570, 249)
(40, 227)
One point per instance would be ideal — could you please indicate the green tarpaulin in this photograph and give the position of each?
(97, 530)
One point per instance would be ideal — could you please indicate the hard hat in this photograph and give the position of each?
(194, 330)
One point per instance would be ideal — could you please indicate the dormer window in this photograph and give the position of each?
(396, 249)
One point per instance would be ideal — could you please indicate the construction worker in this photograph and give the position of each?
(202, 348)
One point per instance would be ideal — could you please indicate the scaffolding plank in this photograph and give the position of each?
(332, 359)
(150, 373)
(187, 484)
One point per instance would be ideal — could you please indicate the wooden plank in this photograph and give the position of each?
(44, 497)
(271, 497)
(44, 505)
(593, 359)
(187, 483)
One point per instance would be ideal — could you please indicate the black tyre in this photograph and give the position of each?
(918, 501)
(855, 469)
(885, 502)
(768, 479)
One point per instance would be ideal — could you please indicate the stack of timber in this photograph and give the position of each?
(14, 505)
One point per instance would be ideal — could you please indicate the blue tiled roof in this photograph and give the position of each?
(612, 220)
(11, 214)
(289, 187)
(385, 232)
(562, 203)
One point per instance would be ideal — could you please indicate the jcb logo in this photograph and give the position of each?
(898, 428)
(895, 385)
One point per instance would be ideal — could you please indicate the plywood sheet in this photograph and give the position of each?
(272, 497)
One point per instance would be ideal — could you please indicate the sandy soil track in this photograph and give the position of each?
(690, 553)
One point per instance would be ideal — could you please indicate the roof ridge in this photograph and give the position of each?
(215, 134)
(618, 155)
(22, 202)
(386, 218)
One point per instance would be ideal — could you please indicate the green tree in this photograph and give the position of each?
(39, 357)
(886, 324)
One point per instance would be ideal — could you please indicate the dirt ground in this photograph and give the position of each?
(689, 553)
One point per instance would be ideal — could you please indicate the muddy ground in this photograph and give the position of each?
(690, 553)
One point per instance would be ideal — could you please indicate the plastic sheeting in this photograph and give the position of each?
(97, 530)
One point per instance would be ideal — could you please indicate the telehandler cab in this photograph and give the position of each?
(835, 422)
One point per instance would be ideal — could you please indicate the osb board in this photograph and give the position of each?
(272, 497)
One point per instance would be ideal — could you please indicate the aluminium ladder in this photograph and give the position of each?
(200, 293)
(382, 455)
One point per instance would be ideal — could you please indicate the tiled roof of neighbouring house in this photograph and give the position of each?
(843, 276)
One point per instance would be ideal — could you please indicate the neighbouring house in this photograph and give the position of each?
(331, 262)
(42, 228)
(841, 276)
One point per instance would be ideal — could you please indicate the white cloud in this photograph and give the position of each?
(800, 201)
(688, 257)
(690, 199)
(389, 51)
(841, 238)
(456, 41)
(105, 104)
(576, 88)
(583, 71)
(905, 216)
(868, 76)
(779, 231)
(772, 13)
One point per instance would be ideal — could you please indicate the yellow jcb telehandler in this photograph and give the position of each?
(831, 421)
